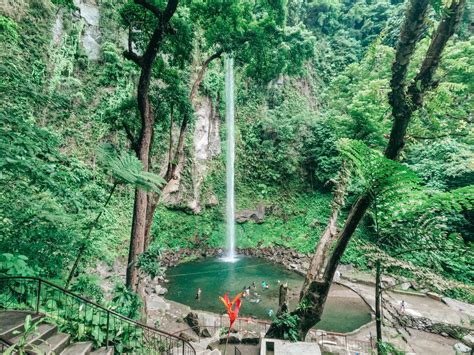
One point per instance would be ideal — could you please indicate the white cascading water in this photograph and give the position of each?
(230, 156)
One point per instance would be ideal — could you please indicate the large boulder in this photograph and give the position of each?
(257, 215)
(462, 348)
(192, 319)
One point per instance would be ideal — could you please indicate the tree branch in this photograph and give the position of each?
(201, 73)
(401, 109)
(154, 9)
(424, 79)
(130, 55)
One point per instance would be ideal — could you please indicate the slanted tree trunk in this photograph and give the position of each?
(143, 146)
(404, 102)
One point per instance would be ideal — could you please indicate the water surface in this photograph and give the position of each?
(345, 311)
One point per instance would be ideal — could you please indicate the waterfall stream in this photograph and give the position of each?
(230, 156)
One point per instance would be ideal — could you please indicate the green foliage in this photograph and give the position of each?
(287, 325)
(8, 29)
(87, 285)
(23, 346)
(128, 169)
(148, 262)
(387, 348)
(15, 265)
(126, 302)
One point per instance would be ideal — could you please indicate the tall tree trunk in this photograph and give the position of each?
(145, 62)
(404, 102)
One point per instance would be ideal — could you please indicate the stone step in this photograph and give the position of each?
(54, 344)
(14, 320)
(83, 348)
(104, 351)
(43, 331)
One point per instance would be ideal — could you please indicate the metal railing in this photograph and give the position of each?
(85, 320)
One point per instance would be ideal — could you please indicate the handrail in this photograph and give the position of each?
(102, 308)
(143, 325)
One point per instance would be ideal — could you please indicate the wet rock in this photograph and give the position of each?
(462, 348)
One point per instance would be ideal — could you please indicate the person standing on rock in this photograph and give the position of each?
(403, 306)
(198, 294)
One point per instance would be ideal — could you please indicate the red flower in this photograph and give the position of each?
(228, 305)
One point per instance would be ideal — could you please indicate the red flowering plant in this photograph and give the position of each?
(233, 313)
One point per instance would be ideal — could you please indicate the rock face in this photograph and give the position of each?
(89, 12)
(206, 146)
(257, 215)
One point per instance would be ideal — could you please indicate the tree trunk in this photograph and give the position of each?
(283, 300)
(317, 285)
(145, 62)
(318, 261)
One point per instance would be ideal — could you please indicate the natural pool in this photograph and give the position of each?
(345, 311)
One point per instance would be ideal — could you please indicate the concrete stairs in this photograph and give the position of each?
(46, 339)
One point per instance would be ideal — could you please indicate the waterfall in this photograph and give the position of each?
(230, 156)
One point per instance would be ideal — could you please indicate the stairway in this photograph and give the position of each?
(46, 338)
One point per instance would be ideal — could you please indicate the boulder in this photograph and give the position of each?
(468, 340)
(205, 333)
(405, 286)
(462, 348)
(156, 303)
(212, 201)
(257, 215)
(192, 319)
(160, 290)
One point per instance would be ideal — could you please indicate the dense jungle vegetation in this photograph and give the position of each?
(312, 85)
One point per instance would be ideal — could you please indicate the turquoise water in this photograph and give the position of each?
(345, 311)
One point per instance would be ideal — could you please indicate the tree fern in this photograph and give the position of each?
(127, 169)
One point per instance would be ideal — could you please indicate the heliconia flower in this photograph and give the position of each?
(228, 305)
